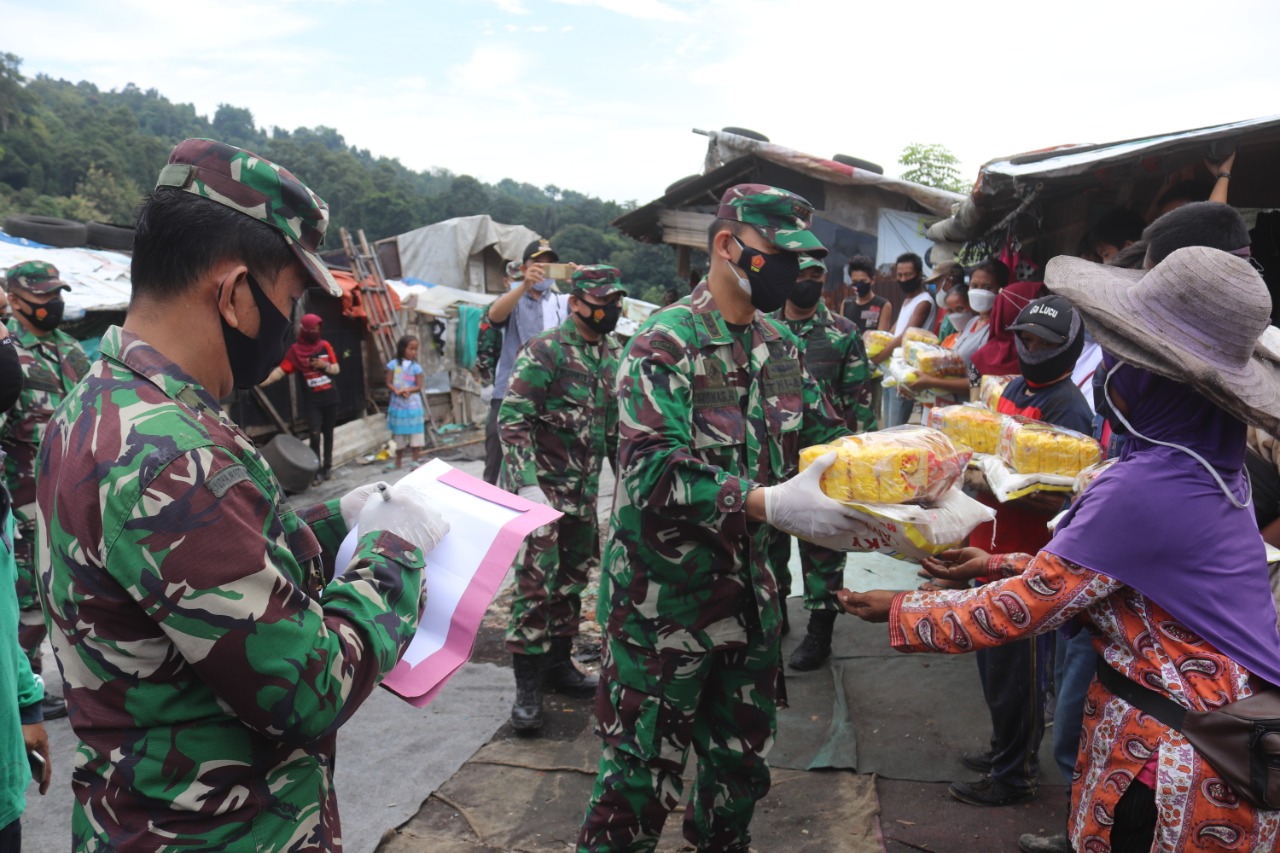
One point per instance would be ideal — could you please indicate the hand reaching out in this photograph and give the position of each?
(870, 606)
(958, 564)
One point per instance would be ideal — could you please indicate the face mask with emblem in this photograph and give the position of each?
(602, 318)
(46, 317)
(770, 278)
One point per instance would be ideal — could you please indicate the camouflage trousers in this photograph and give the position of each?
(652, 706)
(553, 571)
(31, 626)
(822, 569)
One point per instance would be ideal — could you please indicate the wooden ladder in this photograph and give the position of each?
(381, 317)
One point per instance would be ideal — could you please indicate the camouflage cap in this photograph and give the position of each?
(782, 217)
(597, 281)
(258, 188)
(34, 276)
(808, 262)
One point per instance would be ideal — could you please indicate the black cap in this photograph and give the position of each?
(540, 247)
(1048, 318)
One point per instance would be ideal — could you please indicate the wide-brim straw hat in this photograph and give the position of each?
(1201, 316)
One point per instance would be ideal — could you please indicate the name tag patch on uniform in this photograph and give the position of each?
(577, 376)
(781, 377)
(715, 398)
(221, 482)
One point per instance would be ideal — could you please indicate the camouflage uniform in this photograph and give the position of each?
(835, 358)
(559, 422)
(51, 366)
(208, 654)
(688, 600)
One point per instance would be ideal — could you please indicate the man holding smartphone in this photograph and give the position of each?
(528, 309)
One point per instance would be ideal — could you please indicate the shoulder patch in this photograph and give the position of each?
(221, 482)
(670, 348)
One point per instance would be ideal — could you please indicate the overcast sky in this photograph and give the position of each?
(600, 95)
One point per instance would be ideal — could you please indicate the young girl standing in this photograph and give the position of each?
(405, 414)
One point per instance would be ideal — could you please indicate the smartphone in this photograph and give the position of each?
(560, 272)
(39, 767)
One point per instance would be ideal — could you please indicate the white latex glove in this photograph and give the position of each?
(800, 508)
(534, 494)
(406, 514)
(486, 394)
(353, 501)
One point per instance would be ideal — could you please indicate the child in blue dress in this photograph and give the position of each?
(405, 414)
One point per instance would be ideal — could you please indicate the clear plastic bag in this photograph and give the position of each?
(923, 336)
(991, 389)
(905, 464)
(1032, 447)
(1008, 485)
(970, 425)
(876, 341)
(933, 360)
(1088, 475)
(914, 532)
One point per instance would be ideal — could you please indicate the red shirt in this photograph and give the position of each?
(315, 378)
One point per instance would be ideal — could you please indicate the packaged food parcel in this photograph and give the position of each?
(919, 335)
(1086, 477)
(904, 464)
(970, 425)
(933, 360)
(1032, 447)
(875, 342)
(1008, 485)
(991, 389)
(914, 531)
(898, 372)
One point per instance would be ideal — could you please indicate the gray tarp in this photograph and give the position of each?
(441, 253)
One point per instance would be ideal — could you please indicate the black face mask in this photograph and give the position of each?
(911, 287)
(1047, 366)
(862, 287)
(806, 294)
(770, 278)
(46, 317)
(252, 359)
(602, 318)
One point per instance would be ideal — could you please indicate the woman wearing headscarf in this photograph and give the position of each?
(314, 360)
(1159, 559)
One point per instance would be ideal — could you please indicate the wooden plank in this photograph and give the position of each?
(685, 228)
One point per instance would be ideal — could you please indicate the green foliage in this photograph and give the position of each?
(932, 165)
(70, 150)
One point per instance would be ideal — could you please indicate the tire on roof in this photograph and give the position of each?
(859, 163)
(104, 236)
(62, 233)
(749, 134)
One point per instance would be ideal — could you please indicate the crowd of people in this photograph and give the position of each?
(210, 648)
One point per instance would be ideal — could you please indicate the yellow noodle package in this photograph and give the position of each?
(876, 341)
(972, 426)
(893, 466)
(991, 389)
(933, 360)
(923, 336)
(1032, 447)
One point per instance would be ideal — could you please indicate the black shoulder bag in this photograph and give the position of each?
(1240, 740)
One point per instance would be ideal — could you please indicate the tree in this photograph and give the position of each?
(14, 98)
(234, 125)
(932, 165)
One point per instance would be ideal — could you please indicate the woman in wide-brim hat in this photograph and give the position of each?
(1160, 558)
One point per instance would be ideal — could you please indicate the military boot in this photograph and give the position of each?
(526, 713)
(816, 645)
(562, 676)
